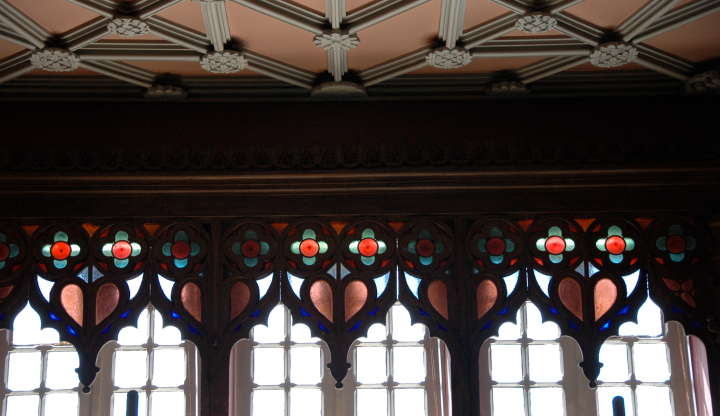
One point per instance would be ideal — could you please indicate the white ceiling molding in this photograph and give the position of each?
(9, 35)
(536, 23)
(55, 60)
(446, 58)
(663, 62)
(150, 8)
(560, 5)
(128, 27)
(613, 54)
(399, 66)
(679, 17)
(337, 44)
(86, 34)
(278, 70)
(512, 5)
(287, 12)
(104, 8)
(22, 25)
(519, 47)
(377, 12)
(578, 29)
(225, 62)
(15, 66)
(493, 29)
(118, 50)
(178, 35)
(548, 67)
(452, 18)
(216, 22)
(644, 17)
(335, 12)
(121, 71)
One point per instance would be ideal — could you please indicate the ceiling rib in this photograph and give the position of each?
(512, 5)
(104, 8)
(493, 29)
(548, 67)
(9, 35)
(644, 17)
(22, 25)
(558, 6)
(452, 18)
(177, 34)
(287, 12)
(216, 23)
(151, 8)
(663, 62)
(139, 51)
(121, 71)
(578, 29)
(378, 12)
(335, 12)
(279, 70)
(531, 47)
(679, 17)
(15, 66)
(399, 66)
(86, 34)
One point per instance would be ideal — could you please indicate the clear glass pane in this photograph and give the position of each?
(169, 367)
(545, 363)
(410, 402)
(24, 370)
(546, 401)
(305, 365)
(370, 365)
(505, 363)
(509, 332)
(654, 401)
(649, 322)
(120, 404)
(22, 405)
(167, 403)
(614, 362)
(538, 330)
(300, 333)
(371, 402)
(26, 329)
(168, 335)
(508, 401)
(402, 329)
(605, 396)
(651, 362)
(130, 368)
(376, 333)
(409, 364)
(275, 330)
(268, 403)
(268, 366)
(61, 367)
(136, 336)
(305, 402)
(61, 404)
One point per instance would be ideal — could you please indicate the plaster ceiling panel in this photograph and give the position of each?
(696, 41)
(56, 16)
(481, 11)
(483, 66)
(187, 13)
(395, 37)
(548, 34)
(9, 48)
(353, 5)
(606, 13)
(681, 3)
(133, 38)
(275, 39)
(315, 5)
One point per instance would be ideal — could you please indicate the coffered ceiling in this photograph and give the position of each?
(353, 44)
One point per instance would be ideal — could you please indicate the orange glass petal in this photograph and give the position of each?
(321, 297)
(438, 296)
(191, 299)
(605, 297)
(570, 294)
(106, 300)
(71, 299)
(356, 294)
(486, 296)
(239, 299)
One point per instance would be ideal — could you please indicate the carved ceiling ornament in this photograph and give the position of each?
(55, 60)
(613, 54)
(446, 58)
(507, 87)
(165, 91)
(705, 82)
(536, 23)
(336, 39)
(225, 62)
(128, 26)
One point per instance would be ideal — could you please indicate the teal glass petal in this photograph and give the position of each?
(121, 264)
(46, 250)
(368, 261)
(675, 229)
(382, 247)
(309, 261)
(495, 232)
(614, 230)
(556, 258)
(264, 248)
(540, 244)
(121, 236)
(629, 244)
(60, 264)
(251, 235)
(3, 238)
(181, 236)
(61, 236)
(323, 247)
(2, 265)
(166, 250)
(353, 247)
(107, 250)
(367, 233)
(194, 249)
(136, 249)
(74, 250)
(569, 244)
(439, 247)
(426, 261)
(661, 243)
(481, 245)
(509, 245)
(677, 257)
(309, 234)
(616, 258)
(690, 243)
(496, 259)
(425, 234)
(250, 261)
(554, 230)
(295, 247)
(600, 244)
(14, 250)
(180, 263)
(411, 247)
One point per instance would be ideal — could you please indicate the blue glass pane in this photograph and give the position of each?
(413, 283)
